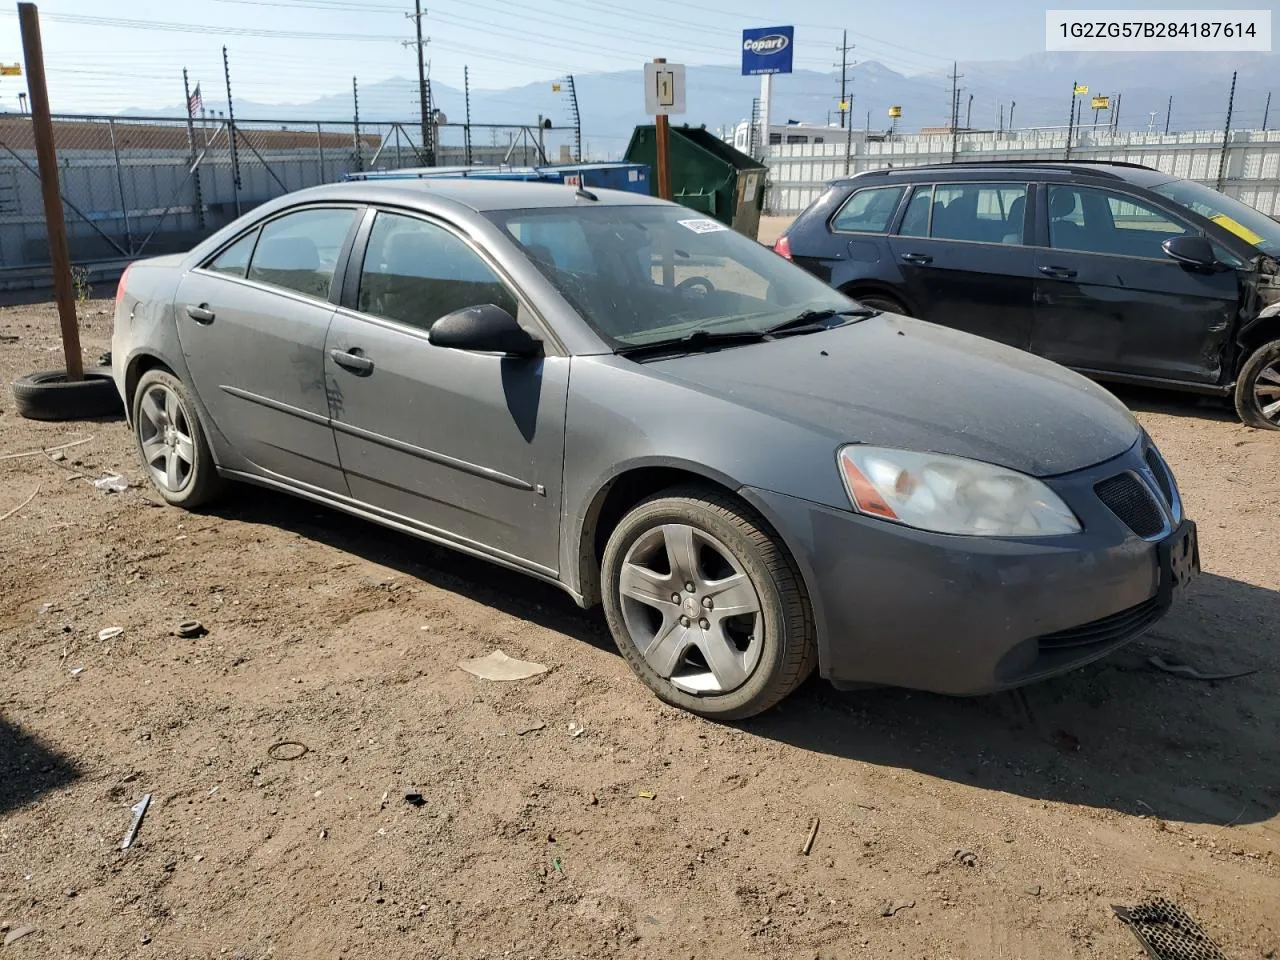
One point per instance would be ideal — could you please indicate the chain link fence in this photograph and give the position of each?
(137, 187)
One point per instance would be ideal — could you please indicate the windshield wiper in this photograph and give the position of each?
(695, 340)
(814, 318)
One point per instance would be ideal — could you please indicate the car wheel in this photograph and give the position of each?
(878, 302)
(171, 441)
(706, 605)
(1258, 388)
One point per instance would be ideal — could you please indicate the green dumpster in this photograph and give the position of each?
(707, 175)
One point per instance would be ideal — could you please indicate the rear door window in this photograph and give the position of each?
(868, 211)
(233, 261)
(979, 212)
(299, 251)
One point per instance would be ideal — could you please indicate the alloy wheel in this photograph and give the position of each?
(691, 609)
(164, 432)
(1266, 391)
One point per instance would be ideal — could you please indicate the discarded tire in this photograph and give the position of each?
(48, 395)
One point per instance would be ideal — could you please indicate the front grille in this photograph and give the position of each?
(1118, 626)
(1133, 502)
(1161, 473)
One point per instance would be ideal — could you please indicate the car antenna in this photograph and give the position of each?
(584, 193)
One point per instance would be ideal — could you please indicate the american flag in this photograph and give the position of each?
(194, 102)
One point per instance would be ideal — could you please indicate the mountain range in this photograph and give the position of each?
(611, 104)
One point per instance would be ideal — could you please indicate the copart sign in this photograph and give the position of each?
(767, 50)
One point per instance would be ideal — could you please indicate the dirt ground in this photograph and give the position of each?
(997, 831)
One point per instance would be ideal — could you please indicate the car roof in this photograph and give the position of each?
(473, 193)
(1132, 173)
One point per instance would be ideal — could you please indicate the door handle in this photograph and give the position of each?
(200, 314)
(353, 360)
(920, 259)
(1058, 273)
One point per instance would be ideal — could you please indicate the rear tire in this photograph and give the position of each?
(48, 395)
(880, 301)
(1258, 388)
(686, 645)
(171, 441)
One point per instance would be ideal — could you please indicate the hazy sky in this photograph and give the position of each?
(130, 53)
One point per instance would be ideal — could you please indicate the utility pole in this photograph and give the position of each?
(191, 147)
(466, 96)
(1071, 121)
(1226, 134)
(47, 159)
(420, 45)
(968, 116)
(844, 49)
(955, 107)
(1012, 104)
(1266, 111)
(355, 130)
(1168, 115)
(231, 131)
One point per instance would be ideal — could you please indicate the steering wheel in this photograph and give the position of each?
(698, 286)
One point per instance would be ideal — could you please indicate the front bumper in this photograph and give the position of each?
(967, 615)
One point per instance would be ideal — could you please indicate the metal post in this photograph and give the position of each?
(355, 131)
(466, 129)
(396, 127)
(968, 116)
(231, 131)
(1001, 130)
(124, 204)
(955, 107)
(766, 113)
(1115, 113)
(577, 120)
(844, 75)
(1012, 104)
(191, 146)
(1168, 115)
(320, 151)
(1071, 121)
(542, 153)
(1226, 134)
(1266, 112)
(47, 158)
(848, 145)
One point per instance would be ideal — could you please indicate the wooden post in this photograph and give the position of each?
(55, 225)
(664, 157)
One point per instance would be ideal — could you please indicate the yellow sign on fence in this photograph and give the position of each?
(10, 69)
(895, 112)
(1081, 88)
(1101, 103)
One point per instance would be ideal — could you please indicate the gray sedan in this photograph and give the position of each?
(755, 475)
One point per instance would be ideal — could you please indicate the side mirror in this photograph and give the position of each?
(484, 328)
(1192, 250)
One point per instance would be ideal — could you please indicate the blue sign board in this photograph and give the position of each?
(767, 50)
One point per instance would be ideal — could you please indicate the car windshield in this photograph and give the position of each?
(644, 274)
(1240, 218)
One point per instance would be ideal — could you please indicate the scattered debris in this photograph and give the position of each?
(49, 607)
(8, 338)
(57, 456)
(531, 728)
(45, 450)
(288, 750)
(415, 799)
(190, 629)
(109, 633)
(498, 666)
(593, 800)
(76, 671)
(139, 811)
(22, 504)
(13, 936)
(1143, 803)
(557, 866)
(966, 858)
(1166, 932)
(112, 483)
(1066, 742)
(1191, 673)
(69, 892)
(576, 729)
(646, 794)
(813, 834)
(890, 907)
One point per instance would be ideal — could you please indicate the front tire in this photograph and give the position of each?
(171, 442)
(706, 605)
(1258, 388)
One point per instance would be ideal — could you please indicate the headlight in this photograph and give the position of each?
(951, 494)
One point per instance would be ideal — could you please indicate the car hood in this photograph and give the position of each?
(896, 382)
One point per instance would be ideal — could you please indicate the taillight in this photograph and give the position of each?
(120, 285)
(783, 247)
